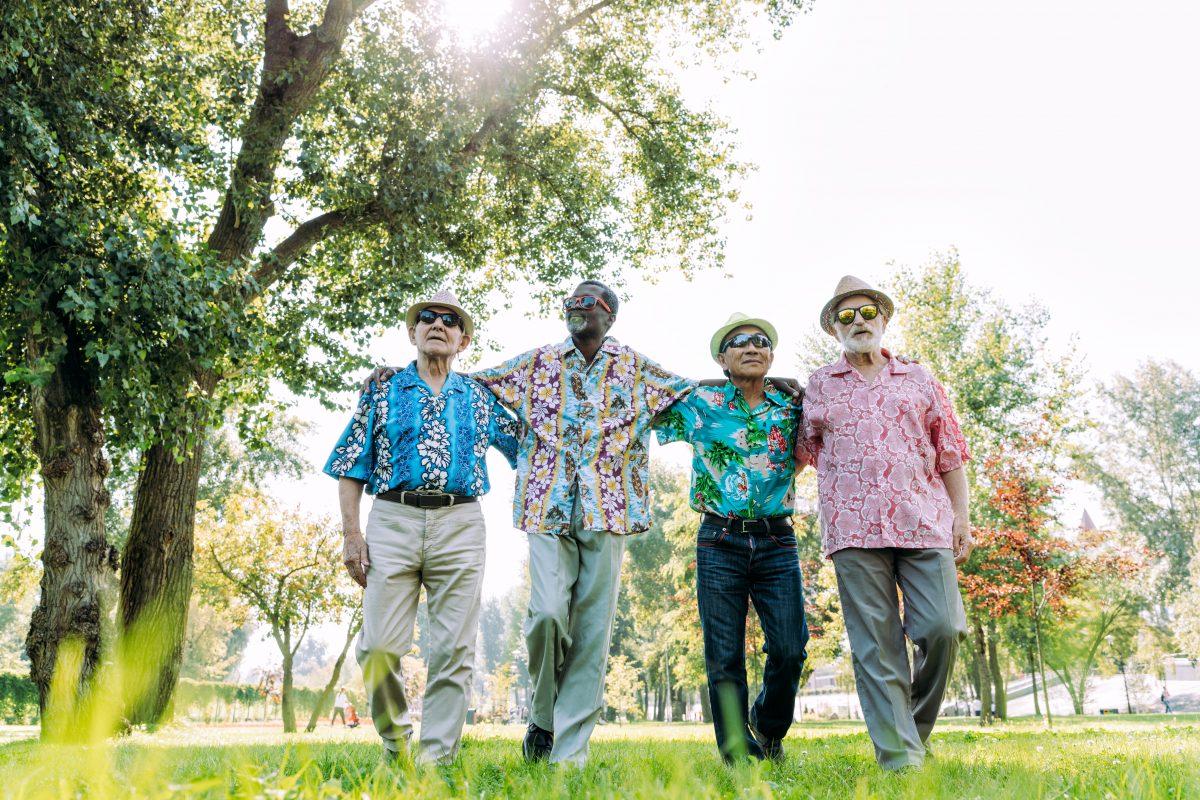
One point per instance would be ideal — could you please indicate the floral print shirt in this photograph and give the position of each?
(403, 436)
(586, 428)
(742, 462)
(880, 449)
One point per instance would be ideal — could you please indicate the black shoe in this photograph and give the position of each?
(538, 743)
(772, 748)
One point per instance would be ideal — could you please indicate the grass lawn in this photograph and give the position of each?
(1153, 756)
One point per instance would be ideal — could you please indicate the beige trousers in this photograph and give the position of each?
(575, 578)
(442, 548)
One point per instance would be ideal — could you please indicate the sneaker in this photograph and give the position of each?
(538, 743)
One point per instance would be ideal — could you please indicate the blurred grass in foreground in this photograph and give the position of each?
(1135, 757)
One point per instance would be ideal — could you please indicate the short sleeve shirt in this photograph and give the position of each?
(742, 457)
(403, 436)
(586, 430)
(880, 449)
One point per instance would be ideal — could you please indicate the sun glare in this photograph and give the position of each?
(473, 19)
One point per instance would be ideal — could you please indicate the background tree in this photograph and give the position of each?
(353, 603)
(145, 160)
(283, 569)
(1104, 606)
(1149, 465)
(621, 687)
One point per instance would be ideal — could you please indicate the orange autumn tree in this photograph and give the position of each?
(1019, 573)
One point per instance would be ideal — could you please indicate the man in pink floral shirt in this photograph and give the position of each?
(894, 513)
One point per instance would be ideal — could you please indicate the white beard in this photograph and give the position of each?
(862, 344)
(575, 323)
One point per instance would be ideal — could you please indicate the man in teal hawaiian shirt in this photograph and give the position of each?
(587, 405)
(743, 435)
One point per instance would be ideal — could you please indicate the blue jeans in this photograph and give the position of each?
(732, 568)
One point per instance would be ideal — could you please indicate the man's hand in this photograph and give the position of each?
(354, 556)
(963, 541)
(789, 386)
(377, 377)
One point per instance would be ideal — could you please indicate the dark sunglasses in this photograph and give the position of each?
(449, 318)
(759, 340)
(867, 312)
(584, 301)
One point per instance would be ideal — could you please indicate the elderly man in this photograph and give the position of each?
(417, 442)
(587, 405)
(743, 435)
(894, 513)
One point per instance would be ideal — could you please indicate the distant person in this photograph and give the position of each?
(743, 437)
(889, 456)
(339, 706)
(417, 442)
(1165, 697)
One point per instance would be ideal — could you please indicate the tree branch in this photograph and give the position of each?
(308, 234)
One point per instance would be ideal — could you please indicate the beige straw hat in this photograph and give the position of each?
(849, 286)
(443, 299)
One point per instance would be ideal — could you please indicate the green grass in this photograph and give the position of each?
(1136, 757)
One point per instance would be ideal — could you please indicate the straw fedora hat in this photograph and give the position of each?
(443, 299)
(736, 320)
(849, 286)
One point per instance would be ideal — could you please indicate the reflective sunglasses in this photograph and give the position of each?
(449, 318)
(759, 340)
(867, 312)
(584, 301)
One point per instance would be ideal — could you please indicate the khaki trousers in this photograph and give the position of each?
(900, 704)
(442, 548)
(575, 578)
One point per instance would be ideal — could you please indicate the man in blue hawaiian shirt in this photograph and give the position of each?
(418, 442)
(743, 435)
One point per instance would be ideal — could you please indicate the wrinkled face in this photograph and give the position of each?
(589, 323)
(861, 335)
(747, 360)
(436, 339)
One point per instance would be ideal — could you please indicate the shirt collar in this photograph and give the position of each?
(842, 366)
(408, 378)
(772, 394)
(610, 345)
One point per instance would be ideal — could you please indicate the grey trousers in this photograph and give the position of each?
(900, 704)
(442, 548)
(575, 578)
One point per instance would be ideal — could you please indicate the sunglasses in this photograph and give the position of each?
(867, 312)
(584, 301)
(448, 318)
(759, 340)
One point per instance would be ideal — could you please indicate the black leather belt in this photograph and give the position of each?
(424, 499)
(763, 526)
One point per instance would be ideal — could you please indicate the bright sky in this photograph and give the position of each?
(1053, 144)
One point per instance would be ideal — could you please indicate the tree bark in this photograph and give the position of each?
(985, 684)
(287, 702)
(999, 692)
(67, 631)
(1037, 707)
(323, 703)
(156, 582)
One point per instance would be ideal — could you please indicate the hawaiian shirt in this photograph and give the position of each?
(742, 457)
(586, 426)
(880, 449)
(403, 436)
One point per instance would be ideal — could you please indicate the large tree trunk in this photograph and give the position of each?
(327, 695)
(156, 581)
(67, 632)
